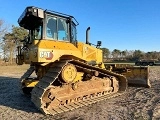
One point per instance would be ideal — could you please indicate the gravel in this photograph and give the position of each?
(137, 104)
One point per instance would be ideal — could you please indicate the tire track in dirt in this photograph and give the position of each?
(147, 111)
(143, 101)
(151, 110)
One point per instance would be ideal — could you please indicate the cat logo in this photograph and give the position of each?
(46, 54)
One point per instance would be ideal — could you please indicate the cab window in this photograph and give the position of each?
(73, 33)
(38, 32)
(57, 28)
(51, 29)
(62, 30)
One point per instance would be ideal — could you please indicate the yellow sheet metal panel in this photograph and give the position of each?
(90, 53)
(30, 83)
(52, 50)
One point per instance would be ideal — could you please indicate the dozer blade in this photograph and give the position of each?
(138, 76)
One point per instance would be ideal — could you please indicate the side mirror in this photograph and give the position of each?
(99, 43)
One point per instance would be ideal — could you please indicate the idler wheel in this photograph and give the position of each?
(69, 73)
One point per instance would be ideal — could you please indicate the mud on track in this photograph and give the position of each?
(137, 103)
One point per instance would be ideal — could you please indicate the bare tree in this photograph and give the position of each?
(116, 54)
(3, 28)
(106, 52)
(11, 39)
(3, 31)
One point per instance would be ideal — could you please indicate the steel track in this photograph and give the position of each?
(52, 74)
(87, 102)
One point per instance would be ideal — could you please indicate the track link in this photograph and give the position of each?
(44, 83)
(27, 73)
(76, 105)
(23, 78)
(52, 75)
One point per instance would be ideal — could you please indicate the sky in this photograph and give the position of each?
(119, 24)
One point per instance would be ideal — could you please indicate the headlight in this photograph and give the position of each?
(35, 10)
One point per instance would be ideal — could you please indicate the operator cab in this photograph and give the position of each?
(50, 25)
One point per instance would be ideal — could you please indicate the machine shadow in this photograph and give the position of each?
(11, 95)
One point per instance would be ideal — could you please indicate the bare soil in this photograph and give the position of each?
(137, 103)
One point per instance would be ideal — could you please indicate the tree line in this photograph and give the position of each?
(129, 55)
(10, 38)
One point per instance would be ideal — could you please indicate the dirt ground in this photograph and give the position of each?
(136, 104)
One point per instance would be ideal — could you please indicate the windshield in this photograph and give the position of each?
(56, 28)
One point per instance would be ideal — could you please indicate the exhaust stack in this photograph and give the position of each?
(87, 35)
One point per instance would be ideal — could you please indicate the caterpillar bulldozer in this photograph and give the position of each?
(69, 74)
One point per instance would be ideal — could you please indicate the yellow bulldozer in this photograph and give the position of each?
(69, 74)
